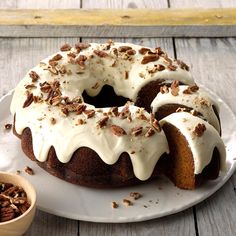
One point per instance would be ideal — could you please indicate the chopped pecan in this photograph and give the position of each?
(114, 205)
(57, 57)
(182, 65)
(89, 113)
(125, 112)
(199, 130)
(65, 47)
(117, 130)
(81, 121)
(29, 170)
(159, 51)
(137, 130)
(175, 88)
(144, 50)
(6, 214)
(160, 67)
(65, 111)
(155, 123)
(114, 111)
(34, 76)
(124, 48)
(127, 202)
(81, 46)
(164, 89)
(81, 59)
(28, 100)
(172, 67)
(53, 121)
(102, 122)
(191, 89)
(53, 70)
(8, 126)
(150, 132)
(100, 53)
(71, 54)
(149, 58)
(126, 74)
(131, 52)
(135, 195)
(30, 86)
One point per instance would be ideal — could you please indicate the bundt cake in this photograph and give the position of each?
(89, 115)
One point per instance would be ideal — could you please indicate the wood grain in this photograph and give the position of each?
(218, 22)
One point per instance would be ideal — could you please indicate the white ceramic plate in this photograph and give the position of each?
(160, 197)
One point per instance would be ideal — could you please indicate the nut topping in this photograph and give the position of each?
(191, 89)
(57, 57)
(114, 205)
(89, 113)
(28, 100)
(175, 88)
(102, 122)
(8, 126)
(144, 50)
(81, 46)
(149, 58)
(127, 202)
(137, 130)
(29, 171)
(135, 195)
(100, 53)
(34, 76)
(65, 47)
(199, 130)
(117, 130)
(150, 132)
(124, 48)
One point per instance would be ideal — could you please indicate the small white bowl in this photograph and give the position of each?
(19, 225)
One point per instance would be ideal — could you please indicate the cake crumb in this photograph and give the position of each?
(115, 205)
(8, 126)
(127, 202)
(18, 172)
(29, 170)
(135, 195)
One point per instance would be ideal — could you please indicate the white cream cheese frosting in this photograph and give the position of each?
(198, 100)
(202, 146)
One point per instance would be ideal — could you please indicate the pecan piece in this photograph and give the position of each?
(34, 76)
(81, 46)
(89, 113)
(127, 202)
(150, 132)
(137, 130)
(100, 53)
(149, 58)
(8, 126)
(144, 50)
(117, 130)
(102, 122)
(65, 47)
(57, 57)
(135, 195)
(81, 59)
(175, 88)
(28, 100)
(124, 48)
(6, 214)
(114, 205)
(29, 170)
(191, 89)
(172, 67)
(199, 130)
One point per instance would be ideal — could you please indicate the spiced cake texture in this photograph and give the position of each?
(117, 114)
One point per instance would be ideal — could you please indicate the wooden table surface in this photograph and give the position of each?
(213, 64)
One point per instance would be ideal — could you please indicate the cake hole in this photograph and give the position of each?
(106, 98)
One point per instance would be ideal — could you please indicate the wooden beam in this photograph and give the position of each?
(220, 22)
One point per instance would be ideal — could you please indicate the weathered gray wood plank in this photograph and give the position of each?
(118, 23)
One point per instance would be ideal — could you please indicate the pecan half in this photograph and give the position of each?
(100, 53)
(144, 50)
(65, 47)
(149, 58)
(124, 48)
(102, 122)
(28, 100)
(34, 76)
(117, 130)
(137, 130)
